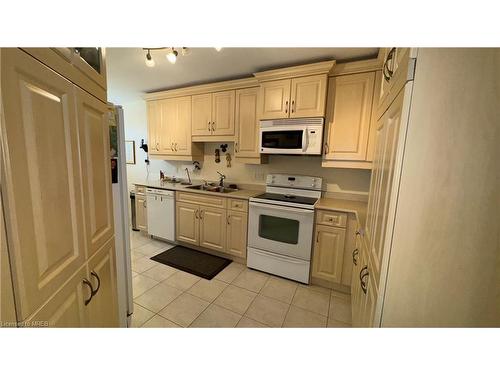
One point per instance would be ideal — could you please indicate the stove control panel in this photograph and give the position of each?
(294, 181)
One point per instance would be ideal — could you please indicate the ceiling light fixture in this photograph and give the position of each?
(149, 60)
(218, 49)
(172, 55)
(185, 51)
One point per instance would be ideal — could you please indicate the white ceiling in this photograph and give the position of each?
(129, 77)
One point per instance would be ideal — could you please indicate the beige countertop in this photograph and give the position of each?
(240, 194)
(333, 204)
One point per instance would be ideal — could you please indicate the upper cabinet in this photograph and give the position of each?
(351, 116)
(169, 129)
(293, 98)
(213, 115)
(294, 92)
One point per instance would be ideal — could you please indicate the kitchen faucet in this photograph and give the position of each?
(189, 177)
(221, 179)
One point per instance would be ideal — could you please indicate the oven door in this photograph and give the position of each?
(279, 229)
(283, 140)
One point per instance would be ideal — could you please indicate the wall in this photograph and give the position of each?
(337, 180)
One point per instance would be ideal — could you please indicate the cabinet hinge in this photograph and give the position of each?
(412, 62)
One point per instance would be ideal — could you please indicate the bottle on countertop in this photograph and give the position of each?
(162, 175)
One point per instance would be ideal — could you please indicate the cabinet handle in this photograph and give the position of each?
(86, 282)
(293, 106)
(201, 214)
(327, 149)
(317, 237)
(172, 146)
(93, 273)
(196, 214)
(157, 146)
(362, 275)
(209, 126)
(144, 204)
(213, 126)
(354, 254)
(236, 147)
(286, 106)
(175, 146)
(388, 73)
(228, 220)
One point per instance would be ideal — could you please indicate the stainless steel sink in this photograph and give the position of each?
(211, 188)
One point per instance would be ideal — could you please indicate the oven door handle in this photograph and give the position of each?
(277, 256)
(281, 208)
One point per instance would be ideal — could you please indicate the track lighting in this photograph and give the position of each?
(218, 49)
(172, 55)
(149, 60)
(185, 51)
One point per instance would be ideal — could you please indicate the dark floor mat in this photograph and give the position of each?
(192, 261)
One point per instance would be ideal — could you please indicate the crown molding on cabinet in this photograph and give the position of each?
(324, 67)
(204, 89)
(354, 67)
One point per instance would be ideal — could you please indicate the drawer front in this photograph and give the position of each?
(331, 218)
(140, 189)
(238, 205)
(203, 199)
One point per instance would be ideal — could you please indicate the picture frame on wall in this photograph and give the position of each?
(130, 152)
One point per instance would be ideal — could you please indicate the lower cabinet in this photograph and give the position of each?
(141, 213)
(237, 227)
(328, 253)
(212, 226)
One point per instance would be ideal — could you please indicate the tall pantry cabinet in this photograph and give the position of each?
(56, 192)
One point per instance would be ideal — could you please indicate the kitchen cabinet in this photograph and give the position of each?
(141, 213)
(328, 253)
(351, 120)
(247, 132)
(169, 129)
(212, 222)
(94, 148)
(187, 224)
(237, 227)
(103, 308)
(212, 228)
(7, 307)
(292, 98)
(213, 114)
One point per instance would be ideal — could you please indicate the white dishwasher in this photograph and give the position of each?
(161, 213)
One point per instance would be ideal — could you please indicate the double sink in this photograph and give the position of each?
(212, 188)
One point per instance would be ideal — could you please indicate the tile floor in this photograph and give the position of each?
(236, 297)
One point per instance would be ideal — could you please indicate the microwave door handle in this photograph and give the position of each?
(305, 140)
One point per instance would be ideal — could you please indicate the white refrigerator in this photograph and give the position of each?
(121, 214)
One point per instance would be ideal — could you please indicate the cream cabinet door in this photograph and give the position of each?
(213, 228)
(308, 97)
(275, 99)
(328, 253)
(201, 114)
(167, 127)
(154, 126)
(94, 148)
(141, 216)
(237, 233)
(182, 140)
(187, 223)
(223, 112)
(247, 123)
(43, 184)
(349, 117)
(66, 309)
(103, 308)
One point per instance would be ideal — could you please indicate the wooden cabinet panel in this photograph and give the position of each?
(223, 112)
(187, 223)
(154, 126)
(204, 199)
(66, 309)
(331, 218)
(349, 120)
(237, 233)
(94, 149)
(166, 130)
(328, 253)
(275, 99)
(141, 213)
(247, 123)
(238, 205)
(103, 308)
(308, 97)
(201, 114)
(182, 141)
(48, 243)
(213, 228)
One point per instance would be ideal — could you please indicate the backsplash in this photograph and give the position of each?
(337, 180)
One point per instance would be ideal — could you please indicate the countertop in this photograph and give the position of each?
(333, 204)
(240, 194)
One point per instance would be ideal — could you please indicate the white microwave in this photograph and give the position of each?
(300, 136)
